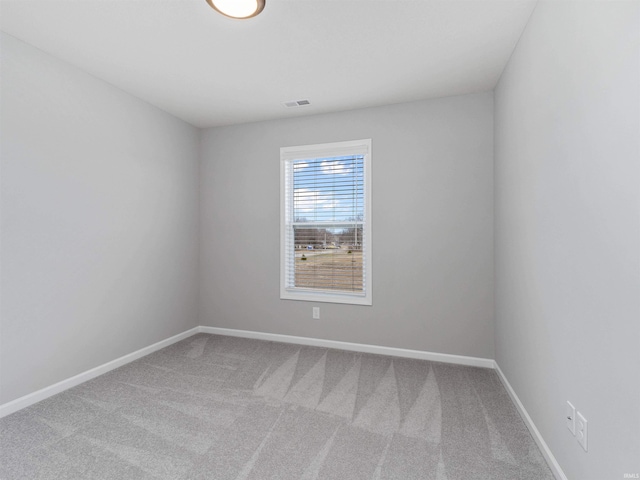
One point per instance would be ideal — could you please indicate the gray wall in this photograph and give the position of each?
(432, 189)
(568, 231)
(99, 222)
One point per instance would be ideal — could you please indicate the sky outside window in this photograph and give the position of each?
(328, 189)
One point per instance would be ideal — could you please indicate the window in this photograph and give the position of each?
(325, 232)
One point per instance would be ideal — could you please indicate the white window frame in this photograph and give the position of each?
(287, 154)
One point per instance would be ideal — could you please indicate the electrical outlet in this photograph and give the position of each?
(581, 430)
(316, 313)
(570, 418)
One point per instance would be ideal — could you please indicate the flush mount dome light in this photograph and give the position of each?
(238, 8)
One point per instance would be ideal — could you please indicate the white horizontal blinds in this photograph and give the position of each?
(338, 266)
(325, 227)
(288, 217)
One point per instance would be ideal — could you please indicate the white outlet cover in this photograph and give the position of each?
(581, 430)
(570, 418)
(316, 313)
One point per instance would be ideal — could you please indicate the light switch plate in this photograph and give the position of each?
(570, 417)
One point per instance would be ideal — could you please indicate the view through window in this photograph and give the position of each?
(325, 225)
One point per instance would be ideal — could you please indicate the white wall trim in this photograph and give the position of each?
(542, 445)
(23, 402)
(39, 395)
(355, 347)
(30, 399)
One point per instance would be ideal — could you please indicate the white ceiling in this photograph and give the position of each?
(209, 70)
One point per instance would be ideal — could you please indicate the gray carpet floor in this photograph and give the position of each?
(215, 407)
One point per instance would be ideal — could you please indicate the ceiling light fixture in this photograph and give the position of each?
(238, 8)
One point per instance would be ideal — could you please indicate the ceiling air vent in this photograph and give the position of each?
(297, 103)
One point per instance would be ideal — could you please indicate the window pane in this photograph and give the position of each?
(328, 189)
(329, 258)
(325, 222)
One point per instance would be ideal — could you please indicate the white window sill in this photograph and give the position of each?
(314, 296)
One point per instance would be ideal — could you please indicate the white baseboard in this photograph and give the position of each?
(37, 396)
(23, 402)
(30, 399)
(542, 445)
(355, 347)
